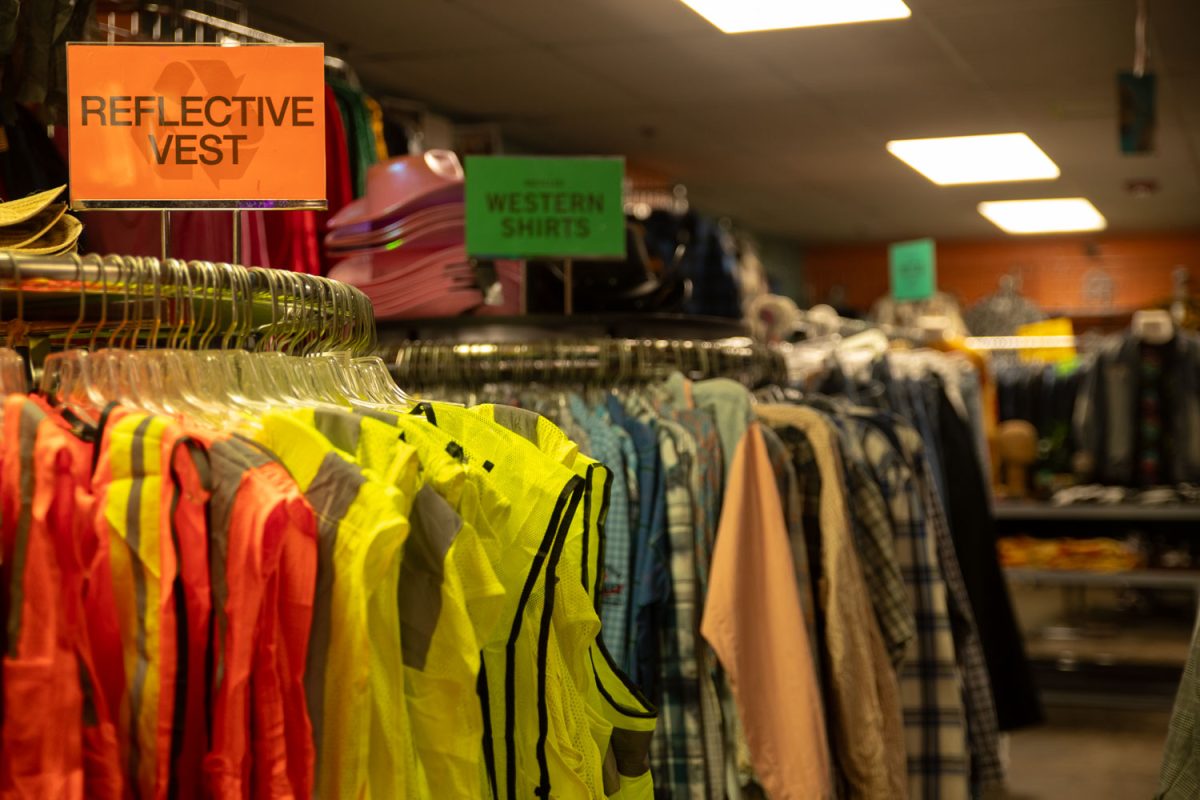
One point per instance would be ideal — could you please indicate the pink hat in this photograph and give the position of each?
(400, 186)
(402, 228)
(363, 270)
(430, 237)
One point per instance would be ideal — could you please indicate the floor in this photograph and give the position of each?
(1097, 754)
(1094, 749)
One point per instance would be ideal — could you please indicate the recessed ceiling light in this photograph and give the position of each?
(991, 158)
(741, 16)
(1056, 215)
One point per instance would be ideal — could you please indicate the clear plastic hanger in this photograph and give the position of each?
(199, 392)
(12, 372)
(60, 370)
(274, 361)
(345, 377)
(109, 380)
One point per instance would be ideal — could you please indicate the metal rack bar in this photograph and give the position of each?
(604, 360)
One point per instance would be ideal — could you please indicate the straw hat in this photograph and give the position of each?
(61, 237)
(25, 233)
(23, 209)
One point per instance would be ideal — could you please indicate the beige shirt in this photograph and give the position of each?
(866, 721)
(754, 622)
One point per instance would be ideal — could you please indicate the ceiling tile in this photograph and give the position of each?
(888, 57)
(1050, 46)
(1175, 27)
(930, 112)
(560, 24)
(676, 71)
(498, 85)
(359, 29)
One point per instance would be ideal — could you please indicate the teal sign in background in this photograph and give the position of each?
(913, 268)
(534, 207)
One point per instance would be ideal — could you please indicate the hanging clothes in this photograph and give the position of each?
(296, 608)
(862, 691)
(833, 536)
(1180, 774)
(360, 132)
(974, 535)
(937, 392)
(1137, 417)
(767, 673)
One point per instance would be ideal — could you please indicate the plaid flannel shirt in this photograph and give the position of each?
(699, 452)
(617, 584)
(859, 682)
(793, 511)
(1180, 775)
(930, 683)
(678, 748)
(982, 725)
(707, 486)
(877, 549)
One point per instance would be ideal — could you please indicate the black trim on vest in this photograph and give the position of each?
(578, 491)
(100, 426)
(489, 747)
(510, 649)
(587, 528)
(423, 407)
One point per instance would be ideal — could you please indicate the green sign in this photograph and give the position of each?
(913, 267)
(534, 207)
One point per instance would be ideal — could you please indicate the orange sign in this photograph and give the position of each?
(196, 126)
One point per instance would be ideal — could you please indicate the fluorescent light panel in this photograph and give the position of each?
(1055, 215)
(742, 16)
(991, 158)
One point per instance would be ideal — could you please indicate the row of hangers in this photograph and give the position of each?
(128, 301)
(601, 361)
(215, 342)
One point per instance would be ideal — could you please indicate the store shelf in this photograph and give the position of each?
(1132, 647)
(1024, 511)
(1135, 578)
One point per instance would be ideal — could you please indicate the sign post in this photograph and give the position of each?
(192, 126)
(536, 207)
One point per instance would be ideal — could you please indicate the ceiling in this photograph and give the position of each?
(784, 131)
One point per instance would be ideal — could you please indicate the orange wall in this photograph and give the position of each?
(1051, 271)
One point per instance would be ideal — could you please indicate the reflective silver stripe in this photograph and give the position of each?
(341, 428)
(230, 460)
(331, 493)
(376, 414)
(31, 417)
(434, 524)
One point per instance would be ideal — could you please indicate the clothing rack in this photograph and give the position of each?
(48, 302)
(606, 361)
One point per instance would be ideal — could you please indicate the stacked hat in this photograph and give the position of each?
(38, 226)
(403, 244)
